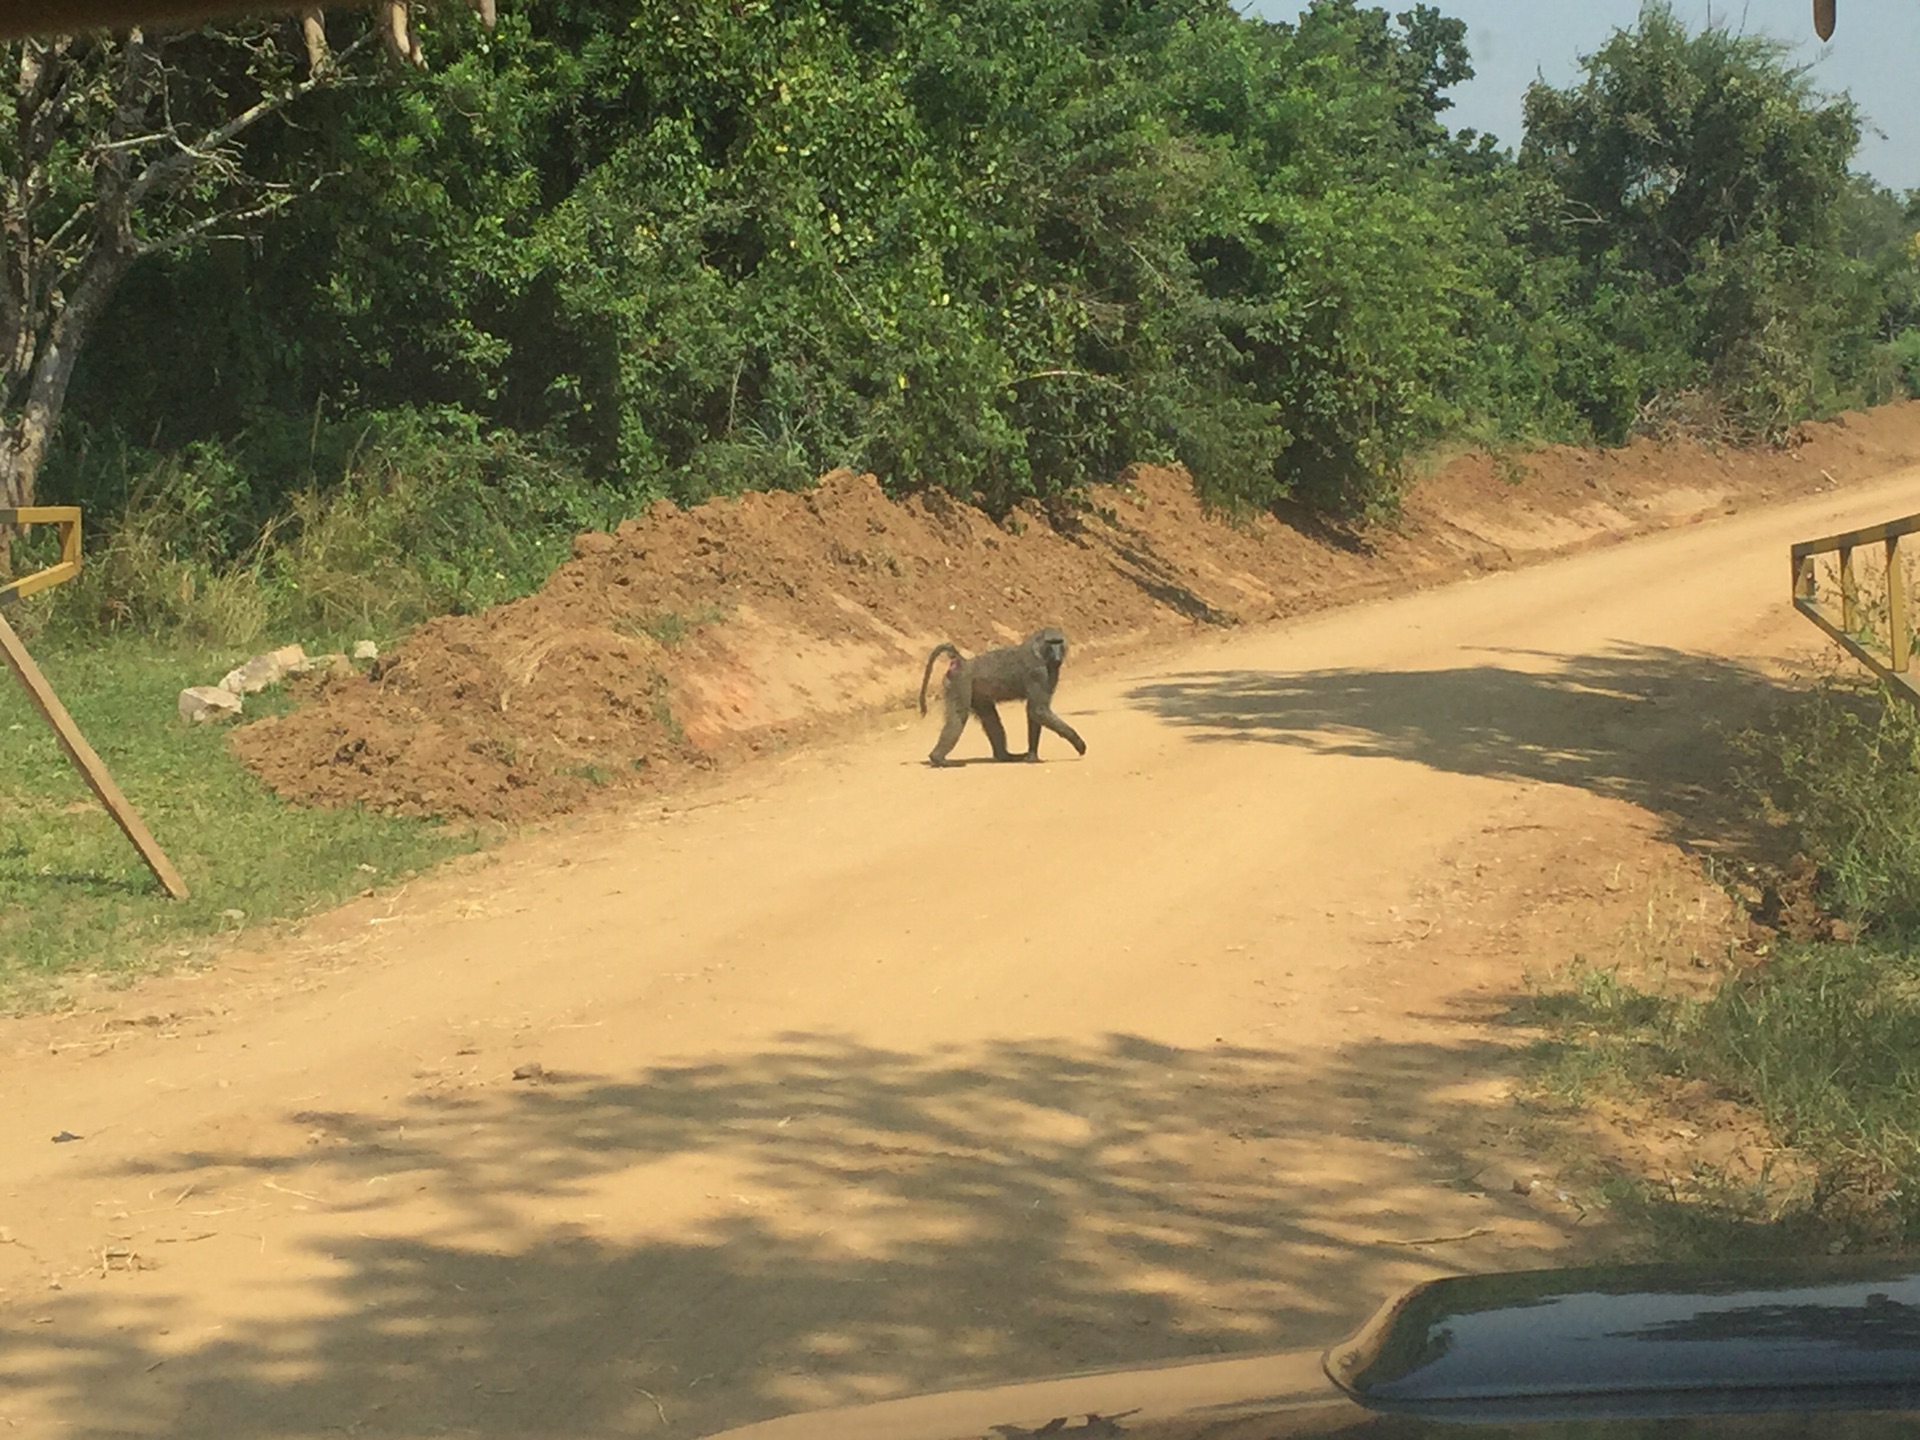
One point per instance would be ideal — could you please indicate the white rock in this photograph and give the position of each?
(264, 670)
(365, 650)
(202, 703)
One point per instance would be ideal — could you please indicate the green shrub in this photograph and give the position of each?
(1841, 767)
(428, 516)
(1903, 351)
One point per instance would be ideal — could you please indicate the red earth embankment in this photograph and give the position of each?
(691, 636)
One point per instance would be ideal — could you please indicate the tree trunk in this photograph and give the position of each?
(23, 445)
(96, 141)
(24, 437)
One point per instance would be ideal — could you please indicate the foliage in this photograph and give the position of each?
(1842, 768)
(119, 147)
(1902, 354)
(1002, 247)
(1691, 186)
(400, 517)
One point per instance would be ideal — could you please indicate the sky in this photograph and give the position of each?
(1874, 55)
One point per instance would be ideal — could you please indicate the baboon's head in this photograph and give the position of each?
(1051, 646)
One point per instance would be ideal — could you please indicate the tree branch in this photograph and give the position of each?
(162, 175)
(275, 199)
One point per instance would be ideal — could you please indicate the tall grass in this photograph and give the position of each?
(1826, 1042)
(1840, 770)
(424, 516)
(421, 517)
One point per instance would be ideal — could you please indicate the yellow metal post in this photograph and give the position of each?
(83, 756)
(1899, 637)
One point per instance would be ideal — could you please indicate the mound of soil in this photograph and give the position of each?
(689, 637)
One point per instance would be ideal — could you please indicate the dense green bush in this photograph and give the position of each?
(1902, 354)
(999, 247)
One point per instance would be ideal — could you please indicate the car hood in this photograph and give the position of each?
(1613, 1343)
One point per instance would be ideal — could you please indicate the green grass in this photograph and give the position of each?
(1839, 770)
(1822, 1042)
(75, 897)
(1604, 1036)
(1825, 1040)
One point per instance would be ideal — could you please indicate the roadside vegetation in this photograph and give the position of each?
(1818, 1034)
(379, 359)
(420, 523)
(996, 247)
(73, 894)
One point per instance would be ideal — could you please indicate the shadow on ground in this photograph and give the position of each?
(1646, 724)
(822, 1223)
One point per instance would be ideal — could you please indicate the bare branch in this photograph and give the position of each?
(162, 175)
(41, 74)
(81, 219)
(273, 200)
(43, 104)
(131, 142)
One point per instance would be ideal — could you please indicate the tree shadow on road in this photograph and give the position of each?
(822, 1223)
(1646, 724)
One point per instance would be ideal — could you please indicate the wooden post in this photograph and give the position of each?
(1849, 598)
(87, 762)
(1899, 638)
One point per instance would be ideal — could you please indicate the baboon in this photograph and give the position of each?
(1028, 671)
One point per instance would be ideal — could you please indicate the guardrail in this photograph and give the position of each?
(1853, 630)
(85, 759)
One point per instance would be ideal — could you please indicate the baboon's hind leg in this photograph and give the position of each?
(956, 722)
(989, 718)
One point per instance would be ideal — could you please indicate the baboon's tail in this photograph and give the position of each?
(945, 647)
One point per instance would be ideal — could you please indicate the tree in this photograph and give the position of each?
(114, 148)
(1697, 181)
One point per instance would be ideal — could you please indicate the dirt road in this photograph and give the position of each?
(856, 1078)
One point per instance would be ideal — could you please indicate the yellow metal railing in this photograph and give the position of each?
(1853, 629)
(67, 517)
